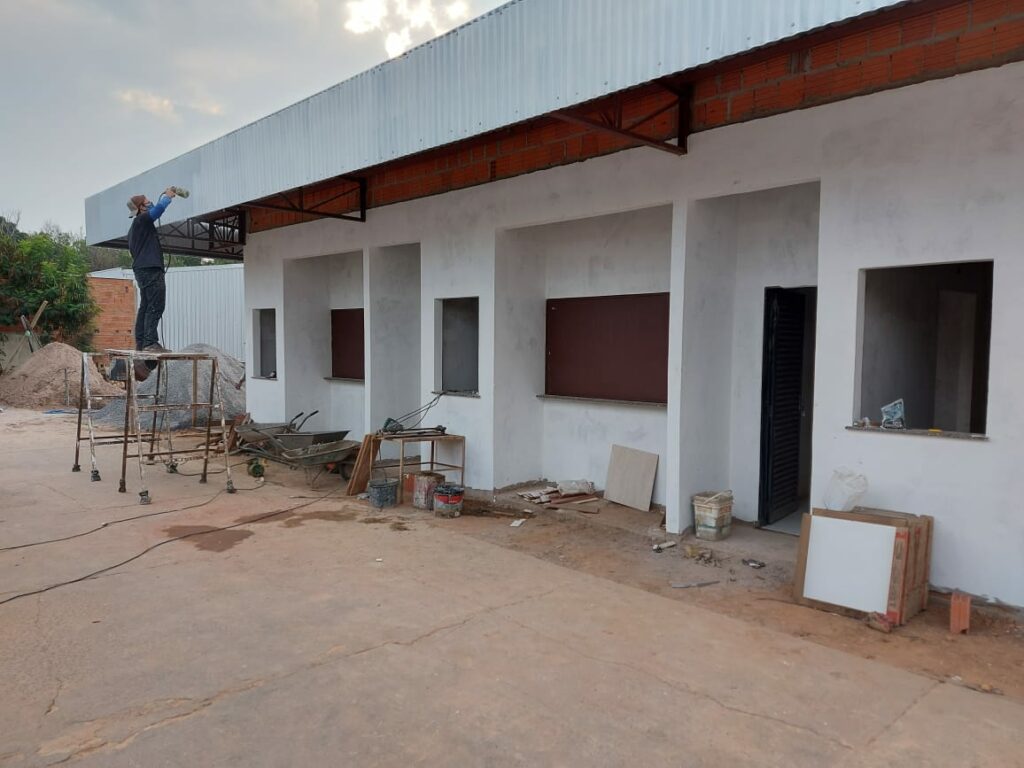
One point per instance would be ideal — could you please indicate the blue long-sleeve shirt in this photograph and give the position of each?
(156, 211)
(143, 241)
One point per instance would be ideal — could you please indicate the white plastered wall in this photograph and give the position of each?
(921, 174)
(619, 253)
(345, 291)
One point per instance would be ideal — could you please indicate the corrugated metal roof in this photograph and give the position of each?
(522, 60)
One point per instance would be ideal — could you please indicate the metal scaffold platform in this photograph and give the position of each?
(158, 443)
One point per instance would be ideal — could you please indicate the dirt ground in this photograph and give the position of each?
(285, 626)
(616, 544)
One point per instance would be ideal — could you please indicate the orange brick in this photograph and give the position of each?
(791, 92)
(766, 97)
(907, 63)
(918, 28)
(940, 56)
(875, 71)
(818, 85)
(731, 81)
(954, 19)
(985, 12)
(959, 613)
(717, 111)
(974, 45)
(705, 89)
(824, 55)
(755, 74)
(853, 47)
(1008, 37)
(741, 105)
(778, 67)
(885, 38)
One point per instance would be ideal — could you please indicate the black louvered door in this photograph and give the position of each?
(781, 403)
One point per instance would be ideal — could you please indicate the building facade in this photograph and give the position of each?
(830, 257)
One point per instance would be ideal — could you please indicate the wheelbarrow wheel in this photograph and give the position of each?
(255, 468)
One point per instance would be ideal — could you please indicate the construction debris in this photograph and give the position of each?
(518, 522)
(179, 388)
(752, 563)
(51, 377)
(701, 556)
(662, 546)
(562, 494)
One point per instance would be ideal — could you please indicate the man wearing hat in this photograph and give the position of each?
(148, 266)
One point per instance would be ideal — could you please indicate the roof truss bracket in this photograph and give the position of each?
(218, 236)
(294, 201)
(610, 120)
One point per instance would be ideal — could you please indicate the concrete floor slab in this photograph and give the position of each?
(324, 635)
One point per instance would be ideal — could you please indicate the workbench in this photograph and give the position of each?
(432, 463)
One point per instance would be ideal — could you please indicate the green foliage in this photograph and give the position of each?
(48, 266)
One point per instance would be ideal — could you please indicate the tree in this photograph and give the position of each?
(39, 268)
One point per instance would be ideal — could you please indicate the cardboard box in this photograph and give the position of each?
(908, 571)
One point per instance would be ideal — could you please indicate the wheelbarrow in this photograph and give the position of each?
(314, 459)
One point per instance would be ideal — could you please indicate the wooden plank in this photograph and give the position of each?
(364, 465)
(630, 479)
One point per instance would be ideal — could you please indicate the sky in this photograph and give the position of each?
(96, 91)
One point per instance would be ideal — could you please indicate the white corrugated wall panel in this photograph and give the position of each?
(522, 60)
(205, 305)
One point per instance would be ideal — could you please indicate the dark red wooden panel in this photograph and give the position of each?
(347, 360)
(609, 347)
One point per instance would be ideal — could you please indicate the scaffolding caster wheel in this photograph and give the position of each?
(76, 468)
(172, 469)
(95, 477)
(231, 487)
(144, 497)
(120, 486)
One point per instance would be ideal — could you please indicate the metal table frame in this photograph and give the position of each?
(433, 463)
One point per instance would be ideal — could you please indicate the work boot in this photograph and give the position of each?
(141, 370)
(156, 347)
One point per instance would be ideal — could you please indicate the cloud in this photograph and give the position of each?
(398, 20)
(164, 107)
(144, 101)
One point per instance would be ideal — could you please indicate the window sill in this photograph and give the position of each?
(604, 401)
(471, 395)
(264, 378)
(971, 436)
(344, 378)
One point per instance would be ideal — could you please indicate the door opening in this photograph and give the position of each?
(787, 400)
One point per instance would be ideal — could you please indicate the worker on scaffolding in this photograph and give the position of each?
(148, 266)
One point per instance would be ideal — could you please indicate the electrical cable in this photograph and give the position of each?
(159, 544)
(110, 523)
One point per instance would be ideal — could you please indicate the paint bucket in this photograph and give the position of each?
(424, 484)
(383, 493)
(448, 500)
(712, 515)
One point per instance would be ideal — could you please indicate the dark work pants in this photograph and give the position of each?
(151, 305)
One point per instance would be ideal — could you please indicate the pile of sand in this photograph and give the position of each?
(40, 380)
(179, 389)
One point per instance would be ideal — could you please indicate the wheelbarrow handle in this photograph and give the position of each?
(291, 424)
(303, 422)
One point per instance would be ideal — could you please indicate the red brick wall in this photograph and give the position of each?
(115, 323)
(937, 43)
(919, 41)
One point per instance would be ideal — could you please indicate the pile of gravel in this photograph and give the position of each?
(179, 389)
(48, 375)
